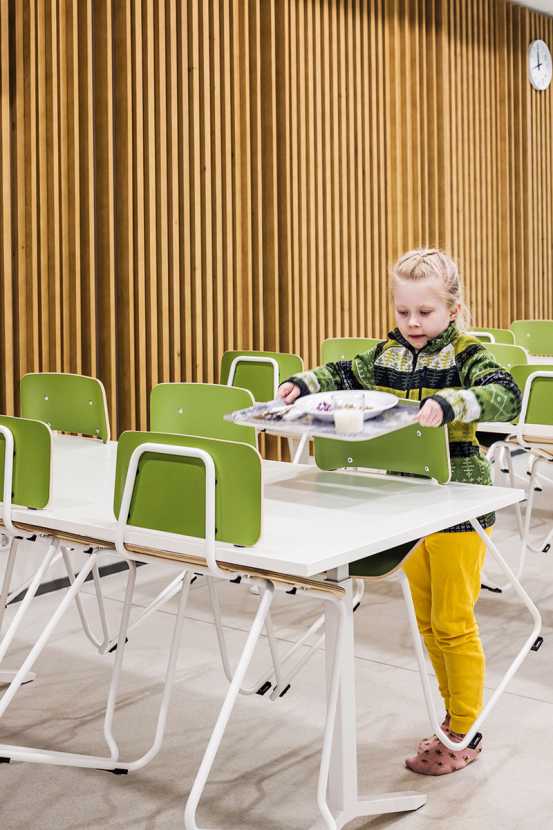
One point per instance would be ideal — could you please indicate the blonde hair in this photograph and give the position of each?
(427, 263)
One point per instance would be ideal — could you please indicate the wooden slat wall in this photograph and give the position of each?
(180, 177)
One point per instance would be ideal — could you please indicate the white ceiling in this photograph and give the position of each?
(545, 6)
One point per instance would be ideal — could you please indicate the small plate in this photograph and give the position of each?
(321, 406)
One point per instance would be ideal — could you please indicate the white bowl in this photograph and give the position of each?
(375, 403)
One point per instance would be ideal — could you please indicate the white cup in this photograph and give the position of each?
(348, 413)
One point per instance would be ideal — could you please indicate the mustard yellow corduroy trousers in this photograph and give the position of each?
(444, 575)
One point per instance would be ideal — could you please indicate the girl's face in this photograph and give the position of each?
(421, 311)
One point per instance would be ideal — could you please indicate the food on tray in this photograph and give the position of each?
(276, 412)
(270, 413)
(327, 406)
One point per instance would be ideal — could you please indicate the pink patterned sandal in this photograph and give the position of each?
(428, 743)
(439, 760)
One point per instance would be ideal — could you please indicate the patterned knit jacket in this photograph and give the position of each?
(453, 369)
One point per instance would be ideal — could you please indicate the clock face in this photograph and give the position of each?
(540, 66)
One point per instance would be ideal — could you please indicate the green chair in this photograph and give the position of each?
(533, 433)
(535, 335)
(423, 452)
(196, 409)
(414, 449)
(205, 490)
(199, 409)
(345, 348)
(74, 404)
(260, 372)
(168, 480)
(67, 403)
(498, 335)
(29, 478)
(25, 471)
(483, 336)
(508, 355)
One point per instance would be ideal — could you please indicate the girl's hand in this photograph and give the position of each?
(430, 415)
(289, 392)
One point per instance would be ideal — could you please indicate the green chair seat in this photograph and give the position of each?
(66, 402)
(381, 564)
(345, 348)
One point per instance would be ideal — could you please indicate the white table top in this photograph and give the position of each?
(312, 520)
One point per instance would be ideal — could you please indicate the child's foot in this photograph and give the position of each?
(437, 759)
(427, 743)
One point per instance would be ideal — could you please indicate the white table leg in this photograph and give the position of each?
(299, 450)
(344, 800)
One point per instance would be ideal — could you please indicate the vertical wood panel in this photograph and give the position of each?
(7, 341)
(179, 178)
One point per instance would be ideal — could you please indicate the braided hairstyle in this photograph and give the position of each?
(430, 263)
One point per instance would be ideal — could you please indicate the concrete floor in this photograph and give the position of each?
(266, 773)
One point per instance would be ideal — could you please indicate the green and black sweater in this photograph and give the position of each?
(453, 369)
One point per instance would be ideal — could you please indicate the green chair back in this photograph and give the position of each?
(31, 462)
(540, 404)
(500, 335)
(483, 336)
(345, 348)
(169, 492)
(67, 403)
(258, 376)
(199, 409)
(535, 335)
(414, 449)
(507, 355)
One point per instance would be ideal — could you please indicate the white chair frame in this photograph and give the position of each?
(113, 762)
(537, 459)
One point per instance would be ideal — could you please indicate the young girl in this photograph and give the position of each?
(428, 358)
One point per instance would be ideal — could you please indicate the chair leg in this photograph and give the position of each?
(288, 673)
(39, 645)
(6, 582)
(118, 664)
(27, 599)
(226, 709)
(97, 643)
(170, 590)
(524, 531)
(509, 674)
(30, 754)
(169, 679)
(541, 546)
(419, 652)
(276, 669)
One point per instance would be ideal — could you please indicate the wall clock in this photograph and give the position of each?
(540, 66)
